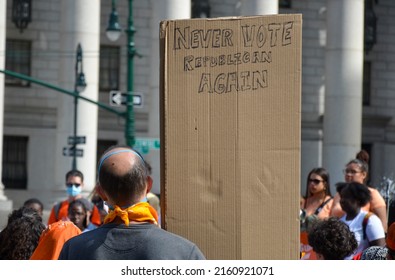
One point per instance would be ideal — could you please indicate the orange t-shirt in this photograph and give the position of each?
(52, 240)
(306, 251)
(63, 214)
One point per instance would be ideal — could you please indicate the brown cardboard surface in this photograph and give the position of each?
(230, 134)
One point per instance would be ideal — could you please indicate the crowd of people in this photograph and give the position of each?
(121, 218)
(351, 224)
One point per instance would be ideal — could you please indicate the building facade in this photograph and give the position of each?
(348, 99)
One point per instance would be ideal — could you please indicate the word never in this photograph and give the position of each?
(253, 36)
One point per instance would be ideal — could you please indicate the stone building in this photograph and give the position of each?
(348, 100)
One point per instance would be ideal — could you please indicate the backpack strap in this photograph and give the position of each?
(318, 210)
(365, 223)
(57, 209)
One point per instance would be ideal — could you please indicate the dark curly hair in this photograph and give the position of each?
(332, 239)
(359, 192)
(20, 237)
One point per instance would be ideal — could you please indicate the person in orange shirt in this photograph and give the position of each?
(52, 240)
(74, 185)
(357, 170)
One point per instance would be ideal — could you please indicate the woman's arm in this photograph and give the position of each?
(378, 242)
(378, 207)
(381, 212)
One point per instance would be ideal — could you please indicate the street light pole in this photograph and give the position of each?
(79, 86)
(113, 32)
(129, 128)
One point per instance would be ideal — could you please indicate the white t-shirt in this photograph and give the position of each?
(374, 230)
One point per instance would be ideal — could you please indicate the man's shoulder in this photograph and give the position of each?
(146, 240)
(59, 204)
(75, 247)
(85, 238)
(166, 234)
(169, 241)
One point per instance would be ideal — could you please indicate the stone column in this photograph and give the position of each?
(258, 7)
(343, 85)
(5, 204)
(80, 23)
(161, 10)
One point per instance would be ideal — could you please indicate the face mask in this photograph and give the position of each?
(73, 190)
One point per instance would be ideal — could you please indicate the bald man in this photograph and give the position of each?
(130, 230)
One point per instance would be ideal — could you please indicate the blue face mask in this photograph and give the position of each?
(73, 190)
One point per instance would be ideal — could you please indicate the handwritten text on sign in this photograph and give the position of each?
(253, 36)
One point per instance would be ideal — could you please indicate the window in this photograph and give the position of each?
(18, 59)
(200, 9)
(370, 25)
(15, 162)
(109, 68)
(367, 72)
(284, 3)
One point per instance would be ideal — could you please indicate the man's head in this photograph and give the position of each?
(74, 183)
(78, 214)
(35, 204)
(123, 176)
(353, 195)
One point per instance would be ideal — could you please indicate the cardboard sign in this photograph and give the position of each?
(230, 134)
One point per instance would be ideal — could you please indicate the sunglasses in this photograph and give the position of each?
(315, 181)
(350, 171)
(71, 185)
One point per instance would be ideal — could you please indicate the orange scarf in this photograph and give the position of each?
(139, 212)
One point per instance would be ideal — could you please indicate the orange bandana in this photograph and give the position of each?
(139, 212)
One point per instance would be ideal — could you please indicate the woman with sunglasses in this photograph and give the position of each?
(318, 198)
(317, 205)
(357, 170)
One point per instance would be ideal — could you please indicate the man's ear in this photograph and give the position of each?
(149, 183)
(101, 192)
